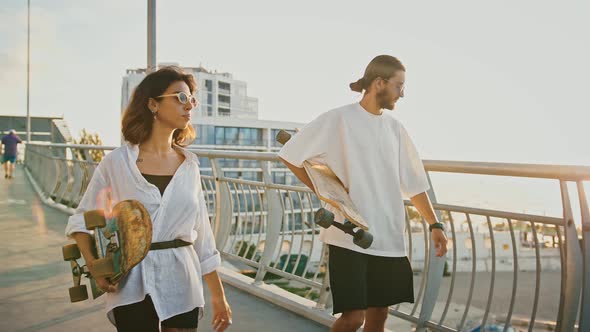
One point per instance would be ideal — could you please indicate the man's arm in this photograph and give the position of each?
(423, 205)
(300, 173)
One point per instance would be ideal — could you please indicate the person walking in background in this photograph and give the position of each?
(9, 145)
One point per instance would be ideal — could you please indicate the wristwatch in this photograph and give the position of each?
(438, 225)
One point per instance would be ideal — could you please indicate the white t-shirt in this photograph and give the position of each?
(375, 158)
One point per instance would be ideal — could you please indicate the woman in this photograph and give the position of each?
(152, 167)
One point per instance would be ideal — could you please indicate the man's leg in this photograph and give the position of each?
(5, 169)
(375, 318)
(11, 169)
(348, 283)
(350, 321)
(390, 282)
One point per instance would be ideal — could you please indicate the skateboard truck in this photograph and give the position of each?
(325, 219)
(78, 292)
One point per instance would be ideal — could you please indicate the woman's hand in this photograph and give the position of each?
(105, 285)
(221, 314)
(102, 283)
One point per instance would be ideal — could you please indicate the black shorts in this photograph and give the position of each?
(360, 281)
(142, 316)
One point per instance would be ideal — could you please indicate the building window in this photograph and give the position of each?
(209, 99)
(209, 85)
(250, 136)
(223, 111)
(219, 135)
(209, 110)
(223, 99)
(224, 86)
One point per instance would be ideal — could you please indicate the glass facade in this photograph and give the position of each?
(242, 169)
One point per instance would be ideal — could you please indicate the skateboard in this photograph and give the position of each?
(121, 240)
(331, 190)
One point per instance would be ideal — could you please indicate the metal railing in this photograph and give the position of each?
(269, 227)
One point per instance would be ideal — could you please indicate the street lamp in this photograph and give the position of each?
(28, 68)
(151, 36)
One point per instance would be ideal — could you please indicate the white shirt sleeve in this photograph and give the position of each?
(412, 175)
(314, 139)
(204, 245)
(95, 197)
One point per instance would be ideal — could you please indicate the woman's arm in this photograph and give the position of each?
(84, 242)
(221, 309)
(215, 286)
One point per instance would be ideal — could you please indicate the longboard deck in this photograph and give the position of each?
(135, 234)
(331, 190)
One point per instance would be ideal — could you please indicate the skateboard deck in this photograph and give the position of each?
(330, 189)
(121, 240)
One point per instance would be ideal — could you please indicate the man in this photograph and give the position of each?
(374, 157)
(9, 143)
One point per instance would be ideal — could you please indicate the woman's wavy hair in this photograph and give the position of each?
(138, 120)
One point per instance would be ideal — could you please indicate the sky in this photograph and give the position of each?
(502, 81)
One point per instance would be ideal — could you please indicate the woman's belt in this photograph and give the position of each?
(169, 244)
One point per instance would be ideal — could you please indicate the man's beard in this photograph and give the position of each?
(385, 101)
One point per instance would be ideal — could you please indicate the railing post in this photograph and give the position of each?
(585, 310)
(274, 221)
(223, 207)
(572, 283)
(433, 274)
(325, 300)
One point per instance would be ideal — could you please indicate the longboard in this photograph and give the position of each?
(330, 189)
(120, 241)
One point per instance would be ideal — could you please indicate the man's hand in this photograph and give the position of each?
(440, 241)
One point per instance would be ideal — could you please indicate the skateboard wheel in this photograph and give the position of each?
(363, 239)
(78, 293)
(283, 137)
(94, 219)
(70, 252)
(324, 218)
(103, 268)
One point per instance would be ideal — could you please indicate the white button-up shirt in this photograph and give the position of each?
(172, 277)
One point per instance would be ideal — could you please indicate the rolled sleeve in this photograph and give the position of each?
(95, 197)
(204, 245)
(413, 177)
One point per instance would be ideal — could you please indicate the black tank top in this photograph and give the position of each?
(160, 181)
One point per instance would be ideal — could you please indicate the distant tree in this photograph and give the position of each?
(87, 138)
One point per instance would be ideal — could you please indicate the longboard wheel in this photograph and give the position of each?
(94, 219)
(283, 137)
(70, 252)
(324, 218)
(103, 267)
(78, 293)
(363, 239)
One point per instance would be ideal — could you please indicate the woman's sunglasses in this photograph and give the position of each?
(183, 98)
